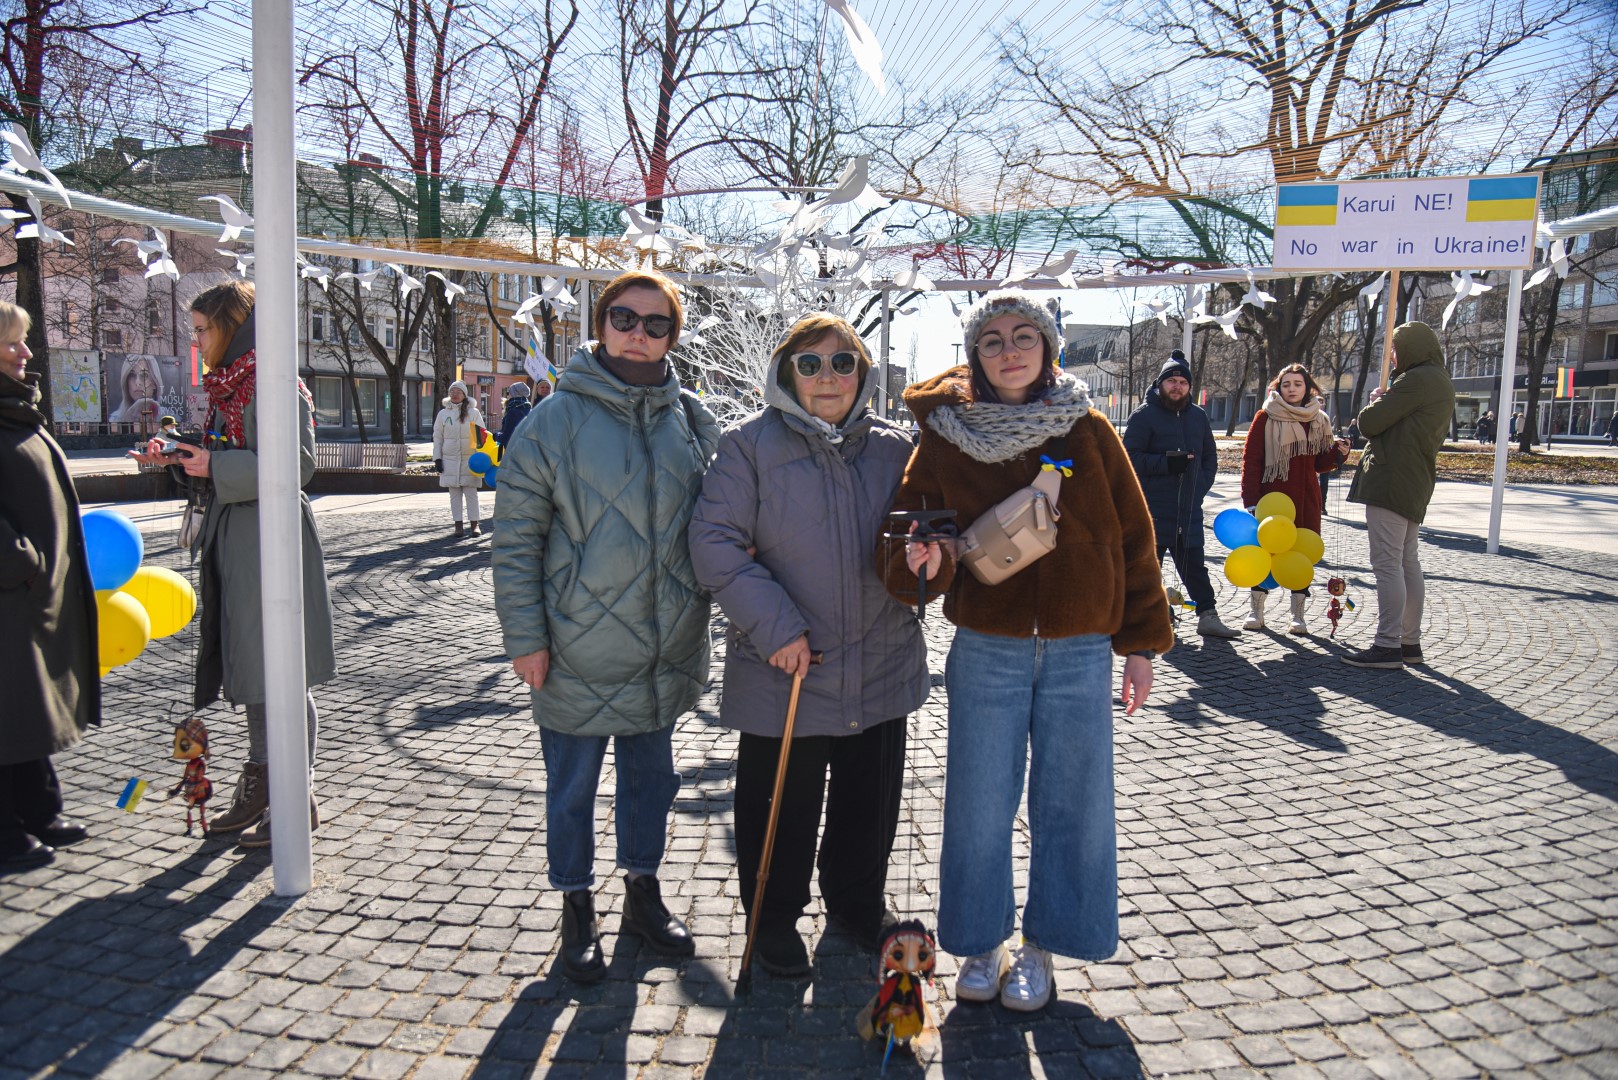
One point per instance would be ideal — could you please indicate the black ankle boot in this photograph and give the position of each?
(779, 948)
(646, 915)
(581, 938)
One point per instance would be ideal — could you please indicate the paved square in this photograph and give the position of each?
(1325, 871)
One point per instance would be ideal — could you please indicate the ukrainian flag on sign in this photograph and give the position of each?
(1306, 204)
(1502, 198)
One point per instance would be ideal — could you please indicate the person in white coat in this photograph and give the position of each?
(452, 447)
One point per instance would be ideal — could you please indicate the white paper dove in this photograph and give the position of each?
(913, 279)
(1255, 295)
(146, 249)
(1061, 269)
(365, 280)
(1373, 291)
(862, 43)
(407, 284)
(1556, 263)
(1158, 309)
(853, 186)
(38, 230)
(1464, 288)
(643, 233)
(523, 316)
(554, 292)
(452, 291)
(235, 218)
(692, 335)
(320, 275)
(24, 159)
(244, 260)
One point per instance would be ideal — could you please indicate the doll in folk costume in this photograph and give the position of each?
(191, 747)
(899, 1009)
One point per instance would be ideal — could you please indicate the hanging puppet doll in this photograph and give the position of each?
(899, 1010)
(191, 747)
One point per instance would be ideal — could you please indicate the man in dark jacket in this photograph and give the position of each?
(1171, 445)
(517, 407)
(1406, 425)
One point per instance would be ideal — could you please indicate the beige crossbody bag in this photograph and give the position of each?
(1016, 532)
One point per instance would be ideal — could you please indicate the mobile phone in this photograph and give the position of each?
(1178, 453)
(169, 448)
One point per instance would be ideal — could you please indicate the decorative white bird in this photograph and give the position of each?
(452, 291)
(320, 275)
(8, 214)
(1555, 263)
(692, 335)
(1158, 309)
(1061, 269)
(862, 43)
(407, 284)
(853, 186)
(1465, 288)
(1199, 304)
(24, 159)
(146, 249)
(1255, 295)
(235, 218)
(643, 233)
(1227, 321)
(913, 279)
(523, 316)
(365, 280)
(1372, 292)
(553, 290)
(38, 230)
(244, 260)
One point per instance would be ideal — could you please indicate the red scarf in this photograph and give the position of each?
(231, 390)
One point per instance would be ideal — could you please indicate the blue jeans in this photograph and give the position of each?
(1008, 696)
(647, 784)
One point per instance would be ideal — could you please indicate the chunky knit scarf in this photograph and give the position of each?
(1292, 430)
(231, 390)
(990, 432)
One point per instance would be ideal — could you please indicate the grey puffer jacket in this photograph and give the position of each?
(590, 553)
(810, 510)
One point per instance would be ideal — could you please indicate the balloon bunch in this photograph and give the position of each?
(485, 460)
(1267, 550)
(134, 603)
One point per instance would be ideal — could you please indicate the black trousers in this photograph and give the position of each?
(1188, 563)
(862, 816)
(30, 798)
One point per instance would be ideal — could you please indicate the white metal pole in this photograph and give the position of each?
(1185, 331)
(885, 406)
(279, 503)
(585, 329)
(1508, 393)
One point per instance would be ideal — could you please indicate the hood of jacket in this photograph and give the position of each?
(797, 417)
(952, 387)
(241, 342)
(1415, 344)
(19, 402)
(585, 374)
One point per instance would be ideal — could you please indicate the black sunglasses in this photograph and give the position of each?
(842, 363)
(624, 319)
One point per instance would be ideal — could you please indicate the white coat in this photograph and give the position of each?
(452, 444)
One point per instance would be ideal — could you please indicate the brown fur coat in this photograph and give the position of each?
(1103, 577)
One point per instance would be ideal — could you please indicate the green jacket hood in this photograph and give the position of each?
(586, 374)
(1414, 344)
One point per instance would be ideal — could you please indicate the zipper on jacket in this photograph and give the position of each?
(651, 504)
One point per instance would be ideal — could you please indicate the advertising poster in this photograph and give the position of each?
(76, 386)
(141, 388)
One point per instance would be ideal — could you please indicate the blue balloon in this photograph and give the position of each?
(492, 474)
(1268, 584)
(482, 463)
(1236, 528)
(114, 548)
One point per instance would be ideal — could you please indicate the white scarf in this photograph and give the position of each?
(1291, 430)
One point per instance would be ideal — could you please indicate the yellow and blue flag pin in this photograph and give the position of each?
(1050, 465)
(132, 794)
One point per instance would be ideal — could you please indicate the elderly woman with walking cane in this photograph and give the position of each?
(782, 538)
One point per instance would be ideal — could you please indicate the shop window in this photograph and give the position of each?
(365, 390)
(328, 391)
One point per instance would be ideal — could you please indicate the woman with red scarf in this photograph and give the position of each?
(1289, 445)
(230, 659)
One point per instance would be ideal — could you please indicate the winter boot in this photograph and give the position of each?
(477, 527)
(252, 799)
(1209, 626)
(581, 938)
(460, 530)
(1298, 601)
(645, 914)
(1255, 621)
(259, 836)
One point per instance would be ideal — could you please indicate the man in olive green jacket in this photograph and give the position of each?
(1406, 425)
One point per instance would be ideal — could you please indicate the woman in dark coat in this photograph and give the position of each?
(1289, 446)
(781, 537)
(47, 616)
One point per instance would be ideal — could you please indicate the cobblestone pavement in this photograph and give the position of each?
(1324, 871)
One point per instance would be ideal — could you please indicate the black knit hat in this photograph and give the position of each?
(1174, 365)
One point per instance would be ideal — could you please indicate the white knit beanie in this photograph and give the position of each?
(1010, 302)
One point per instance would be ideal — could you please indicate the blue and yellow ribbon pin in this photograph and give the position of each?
(1051, 465)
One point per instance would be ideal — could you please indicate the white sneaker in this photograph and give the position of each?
(1028, 986)
(980, 976)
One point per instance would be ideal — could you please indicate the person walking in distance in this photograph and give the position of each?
(452, 449)
(1406, 425)
(1171, 446)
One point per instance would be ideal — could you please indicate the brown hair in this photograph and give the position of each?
(226, 307)
(638, 279)
(815, 325)
(12, 318)
(1310, 389)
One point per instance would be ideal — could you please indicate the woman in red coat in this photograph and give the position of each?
(1288, 445)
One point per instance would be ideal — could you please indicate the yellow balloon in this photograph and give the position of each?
(1247, 566)
(1309, 545)
(1277, 504)
(125, 628)
(168, 598)
(1276, 534)
(1292, 570)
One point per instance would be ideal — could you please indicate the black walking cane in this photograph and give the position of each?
(744, 982)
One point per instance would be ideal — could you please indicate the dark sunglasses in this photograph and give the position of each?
(624, 319)
(842, 363)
